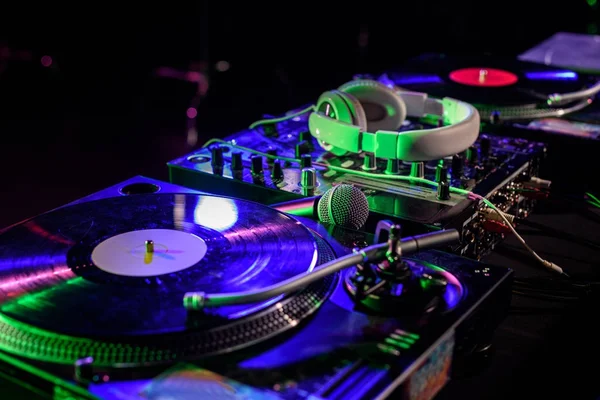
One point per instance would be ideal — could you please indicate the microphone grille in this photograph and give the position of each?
(344, 205)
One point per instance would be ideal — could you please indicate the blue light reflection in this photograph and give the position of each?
(417, 79)
(551, 76)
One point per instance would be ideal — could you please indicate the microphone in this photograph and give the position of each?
(376, 252)
(342, 205)
(306, 207)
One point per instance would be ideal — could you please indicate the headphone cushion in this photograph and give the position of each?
(358, 114)
(383, 108)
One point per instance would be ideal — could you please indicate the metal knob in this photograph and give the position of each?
(302, 148)
(458, 163)
(441, 173)
(443, 192)
(369, 162)
(392, 167)
(472, 155)
(305, 161)
(305, 136)
(236, 161)
(484, 146)
(257, 165)
(84, 370)
(417, 170)
(277, 171)
(217, 156)
(271, 152)
(308, 178)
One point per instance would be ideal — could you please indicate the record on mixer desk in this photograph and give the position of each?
(106, 278)
(514, 88)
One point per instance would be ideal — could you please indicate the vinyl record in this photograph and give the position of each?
(107, 277)
(515, 88)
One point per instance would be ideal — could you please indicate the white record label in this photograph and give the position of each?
(149, 252)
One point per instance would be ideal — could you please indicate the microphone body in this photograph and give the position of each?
(342, 205)
(306, 207)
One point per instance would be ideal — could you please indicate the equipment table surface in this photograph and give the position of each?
(545, 349)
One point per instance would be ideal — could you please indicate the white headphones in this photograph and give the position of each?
(364, 116)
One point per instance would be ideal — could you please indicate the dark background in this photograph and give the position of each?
(99, 114)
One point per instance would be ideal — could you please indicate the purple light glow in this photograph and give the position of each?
(191, 113)
(551, 76)
(46, 61)
(416, 79)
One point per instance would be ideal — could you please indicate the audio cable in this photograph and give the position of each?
(468, 194)
(281, 119)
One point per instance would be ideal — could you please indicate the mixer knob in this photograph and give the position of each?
(480, 172)
(217, 156)
(495, 117)
(417, 170)
(369, 162)
(257, 165)
(484, 146)
(458, 164)
(308, 179)
(305, 136)
(443, 192)
(305, 161)
(236, 161)
(471, 155)
(302, 148)
(441, 173)
(392, 167)
(271, 152)
(277, 171)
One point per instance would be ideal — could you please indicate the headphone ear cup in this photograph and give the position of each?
(358, 113)
(335, 105)
(384, 109)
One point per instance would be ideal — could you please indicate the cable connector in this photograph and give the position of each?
(538, 183)
(493, 215)
(553, 266)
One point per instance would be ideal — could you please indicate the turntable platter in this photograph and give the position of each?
(113, 273)
(502, 89)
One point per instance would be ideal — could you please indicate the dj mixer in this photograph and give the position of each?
(282, 161)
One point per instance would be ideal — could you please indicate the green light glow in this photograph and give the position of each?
(592, 3)
(406, 339)
(61, 386)
(397, 343)
(391, 111)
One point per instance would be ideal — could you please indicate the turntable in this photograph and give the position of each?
(92, 302)
(518, 93)
(502, 89)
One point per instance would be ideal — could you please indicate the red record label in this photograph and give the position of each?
(484, 77)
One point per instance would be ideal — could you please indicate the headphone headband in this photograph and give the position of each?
(461, 131)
